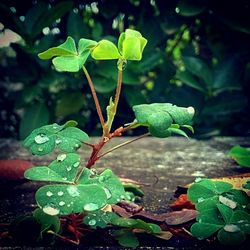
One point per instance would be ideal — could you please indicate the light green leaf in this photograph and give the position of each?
(105, 50)
(178, 132)
(67, 58)
(67, 199)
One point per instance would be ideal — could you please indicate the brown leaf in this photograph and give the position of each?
(130, 207)
(121, 211)
(13, 169)
(165, 235)
(180, 217)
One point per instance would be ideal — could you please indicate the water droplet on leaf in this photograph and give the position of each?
(61, 157)
(69, 168)
(51, 210)
(200, 200)
(92, 222)
(198, 179)
(61, 203)
(49, 194)
(58, 141)
(60, 193)
(227, 202)
(73, 191)
(65, 178)
(90, 207)
(40, 149)
(41, 138)
(76, 164)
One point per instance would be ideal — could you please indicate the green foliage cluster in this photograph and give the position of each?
(197, 55)
(223, 211)
(75, 187)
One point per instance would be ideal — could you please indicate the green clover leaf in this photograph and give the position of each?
(65, 137)
(130, 47)
(163, 119)
(67, 57)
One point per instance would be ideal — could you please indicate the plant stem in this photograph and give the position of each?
(97, 104)
(123, 144)
(118, 90)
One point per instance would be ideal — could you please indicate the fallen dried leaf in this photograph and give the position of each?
(165, 235)
(180, 217)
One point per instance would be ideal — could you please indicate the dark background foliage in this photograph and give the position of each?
(197, 54)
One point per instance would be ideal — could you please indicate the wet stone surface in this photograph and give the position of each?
(162, 164)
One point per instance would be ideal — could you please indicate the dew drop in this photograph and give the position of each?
(69, 168)
(40, 149)
(92, 222)
(58, 141)
(61, 203)
(108, 193)
(61, 157)
(41, 138)
(60, 193)
(122, 197)
(177, 10)
(118, 200)
(68, 205)
(231, 228)
(76, 164)
(198, 179)
(65, 178)
(90, 207)
(190, 110)
(73, 191)
(49, 194)
(200, 200)
(49, 209)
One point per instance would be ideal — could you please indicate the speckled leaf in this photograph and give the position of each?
(109, 181)
(63, 169)
(99, 218)
(204, 230)
(67, 57)
(211, 216)
(44, 139)
(208, 203)
(66, 199)
(160, 116)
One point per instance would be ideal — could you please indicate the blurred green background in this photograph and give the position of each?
(197, 54)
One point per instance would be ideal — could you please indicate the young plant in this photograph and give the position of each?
(74, 187)
(222, 210)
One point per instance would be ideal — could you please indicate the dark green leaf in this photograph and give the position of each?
(204, 230)
(44, 139)
(199, 68)
(160, 116)
(47, 222)
(67, 199)
(191, 7)
(34, 116)
(69, 104)
(231, 238)
(226, 212)
(241, 155)
(126, 238)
